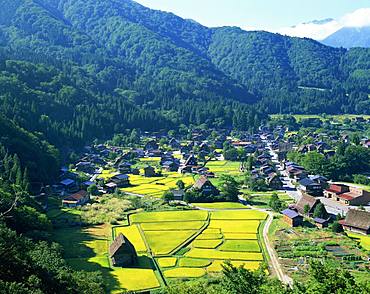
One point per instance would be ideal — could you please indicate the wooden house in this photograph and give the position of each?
(357, 221)
(151, 145)
(347, 195)
(76, 199)
(122, 252)
(306, 201)
(149, 171)
(310, 187)
(204, 186)
(292, 218)
(121, 180)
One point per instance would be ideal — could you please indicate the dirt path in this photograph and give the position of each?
(271, 251)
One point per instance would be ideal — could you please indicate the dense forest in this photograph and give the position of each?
(73, 71)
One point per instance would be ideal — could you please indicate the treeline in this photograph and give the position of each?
(25, 157)
(348, 161)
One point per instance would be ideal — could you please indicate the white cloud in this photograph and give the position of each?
(358, 18)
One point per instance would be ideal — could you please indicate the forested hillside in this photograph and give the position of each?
(78, 70)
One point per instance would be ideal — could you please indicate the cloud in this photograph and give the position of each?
(319, 31)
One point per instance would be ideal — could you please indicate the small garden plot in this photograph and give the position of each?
(240, 246)
(167, 261)
(233, 226)
(133, 235)
(163, 242)
(209, 236)
(216, 266)
(240, 236)
(207, 243)
(215, 254)
(221, 205)
(169, 216)
(184, 272)
(170, 226)
(194, 262)
(238, 215)
(133, 279)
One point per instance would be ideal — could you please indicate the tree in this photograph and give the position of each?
(275, 203)
(306, 209)
(168, 196)
(180, 184)
(319, 211)
(229, 188)
(336, 227)
(93, 190)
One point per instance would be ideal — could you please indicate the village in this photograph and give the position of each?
(208, 170)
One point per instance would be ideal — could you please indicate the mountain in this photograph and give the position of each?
(349, 38)
(73, 71)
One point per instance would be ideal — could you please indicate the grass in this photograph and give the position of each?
(84, 243)
(133, 235)
(240, 236)
(207, 243)
(171, 226)
(184, 272)
(238, 215)
(168, 216)
(215, 254)
(216, 266)
(133, 279)
(235, 226)
(163, 242)
(220, 205)
(167, 261)
(240, 246)
(194, 262)
(364, 240)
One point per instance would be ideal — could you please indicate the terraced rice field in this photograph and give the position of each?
(156, 186)
(190, 244)
(221, 205)
(164, 242)
(169, 216)
(87, 249)
(224, 167)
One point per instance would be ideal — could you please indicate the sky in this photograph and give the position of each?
(271, 15)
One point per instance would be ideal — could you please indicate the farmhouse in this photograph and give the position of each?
(149, 171)
(205, 186)
(79, 198)
(357, 221)
(310, 187)
(122, 252)
(121, 180)
(191, 161)
(292, 218)
(178, 194)
(306, 201)
(274, 182)
(151, 145)
(347, 195)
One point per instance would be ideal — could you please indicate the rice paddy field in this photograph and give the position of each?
(170, 245)
(191, 244)
(362, 239)
(87, 249)
(156, 186)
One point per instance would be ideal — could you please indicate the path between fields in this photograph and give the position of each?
(270, 250)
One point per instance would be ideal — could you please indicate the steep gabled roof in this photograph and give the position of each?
(120, 241)
(358, 218)
(306, 200)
